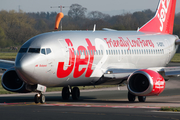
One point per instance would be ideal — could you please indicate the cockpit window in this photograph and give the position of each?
(48, 50)
(34, 50)
(23, 50)
(43, 51)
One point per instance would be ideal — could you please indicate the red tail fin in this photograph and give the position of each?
(163, 21)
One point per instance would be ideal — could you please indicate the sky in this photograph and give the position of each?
(112, 7)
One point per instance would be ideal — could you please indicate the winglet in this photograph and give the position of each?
(58, 19)
(163, 21)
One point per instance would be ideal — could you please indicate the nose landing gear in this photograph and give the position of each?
(39, 98)
(40, 89)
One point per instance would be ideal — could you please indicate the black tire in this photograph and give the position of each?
(42, 99)
(65, 93)
(36, 98)
(75, 93)
(131, 97)
(142, 98)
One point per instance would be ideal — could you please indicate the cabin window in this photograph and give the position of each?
(99, 52)
(116, 52)
(124, 51)
(77, 52)
(96, 52)
(107, 52)
(102, 52)
(80, 52)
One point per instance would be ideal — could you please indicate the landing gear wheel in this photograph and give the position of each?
(36, 98)
(42, 98)
(65, 93)
(131, 97)
(142, 98)
(75, 93)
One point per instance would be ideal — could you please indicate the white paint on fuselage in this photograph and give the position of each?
(47, 76)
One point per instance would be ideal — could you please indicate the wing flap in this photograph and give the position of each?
(115, 73)
(172, 71)
(124, 73)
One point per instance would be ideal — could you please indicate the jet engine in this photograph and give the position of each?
(12, 82)
(145, 83)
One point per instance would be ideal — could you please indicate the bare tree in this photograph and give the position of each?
(77, 11)
(97, 15)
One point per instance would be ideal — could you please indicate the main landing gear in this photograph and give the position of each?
(74, 92)
(132, 98)
(39, 98)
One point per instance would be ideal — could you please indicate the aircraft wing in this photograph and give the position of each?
(6, 64)
(118, 73)
(172, 71)
(125, 73)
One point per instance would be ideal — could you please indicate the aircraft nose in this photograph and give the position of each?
(24, 68)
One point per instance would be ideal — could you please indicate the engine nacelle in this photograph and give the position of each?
(12, 82)
(145, 83)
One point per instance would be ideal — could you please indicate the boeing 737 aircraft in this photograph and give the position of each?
(82, 58)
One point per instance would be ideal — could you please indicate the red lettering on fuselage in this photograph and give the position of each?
(121, 42)
(91, 49)
(80, 61)
(61, 73)
(76, 61)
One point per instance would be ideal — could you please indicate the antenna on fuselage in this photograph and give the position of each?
(59, 16)
(94, 29)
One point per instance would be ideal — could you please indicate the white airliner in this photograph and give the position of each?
(82, 58)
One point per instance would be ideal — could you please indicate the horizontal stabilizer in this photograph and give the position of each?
(108, 29)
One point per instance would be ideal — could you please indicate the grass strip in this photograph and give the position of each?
(173, 109)
(8, 55)
(176, 58)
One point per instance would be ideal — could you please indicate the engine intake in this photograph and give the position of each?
(146, 83)
(11, 82)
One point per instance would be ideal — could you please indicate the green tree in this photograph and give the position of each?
(2, 38)
(17, 26)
